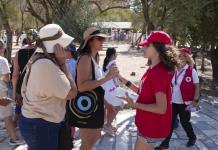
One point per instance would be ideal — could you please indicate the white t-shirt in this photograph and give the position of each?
(4, 69)
(110, 88)
(176, 95)
(4, 66)
(71, 66)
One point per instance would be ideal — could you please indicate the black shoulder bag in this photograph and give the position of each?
(87, 109)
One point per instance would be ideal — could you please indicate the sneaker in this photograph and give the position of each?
(114, 129)
(16, 142)
(162, 147)
(191, 142)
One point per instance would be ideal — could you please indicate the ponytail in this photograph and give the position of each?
(109, 53)
(168, 55)
(106, 62)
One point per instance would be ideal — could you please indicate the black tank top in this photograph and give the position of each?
(24, 56)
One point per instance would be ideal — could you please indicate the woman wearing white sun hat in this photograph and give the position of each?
(46, 89)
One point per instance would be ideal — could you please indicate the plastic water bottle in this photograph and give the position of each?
(192, 108)
(115, 78)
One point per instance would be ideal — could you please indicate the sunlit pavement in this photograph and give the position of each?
(205, 123)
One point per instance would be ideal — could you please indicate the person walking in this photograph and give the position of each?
(6, 111)
(185, 83)
(19, 64)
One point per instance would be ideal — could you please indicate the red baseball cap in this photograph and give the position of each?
(186, 51)
(157, 36)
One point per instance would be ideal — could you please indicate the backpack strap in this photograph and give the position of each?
(29, 65)
(36, 58)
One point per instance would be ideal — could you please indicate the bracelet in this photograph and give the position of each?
(128, 84)
(134, 105)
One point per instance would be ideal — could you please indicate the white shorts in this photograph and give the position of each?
(5, 111)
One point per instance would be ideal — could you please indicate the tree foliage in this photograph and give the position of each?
(77, 20)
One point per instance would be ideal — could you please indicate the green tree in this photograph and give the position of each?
(205, 32)
(8, 18)
(77, 20)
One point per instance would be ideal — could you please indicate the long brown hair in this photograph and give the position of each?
(168, 55)
(87, 50)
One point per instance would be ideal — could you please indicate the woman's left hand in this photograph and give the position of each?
(128, 100)
(195, 103)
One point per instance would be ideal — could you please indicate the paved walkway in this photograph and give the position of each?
(205, 123)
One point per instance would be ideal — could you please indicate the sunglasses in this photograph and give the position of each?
(101, 39)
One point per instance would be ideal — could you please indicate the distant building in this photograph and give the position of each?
(115, 25)
(119, 31)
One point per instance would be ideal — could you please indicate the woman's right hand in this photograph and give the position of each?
(113, 72)
(4, 101)
(60, 54)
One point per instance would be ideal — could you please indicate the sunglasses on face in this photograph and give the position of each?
(101, 39)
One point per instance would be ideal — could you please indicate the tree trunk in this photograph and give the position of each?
(203, 58)
(149, 23)
(9, 34)
(214, 62)
(203, 63)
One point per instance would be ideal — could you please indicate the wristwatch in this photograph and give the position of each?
(196, 100)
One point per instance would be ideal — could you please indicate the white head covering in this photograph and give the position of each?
(52, 30)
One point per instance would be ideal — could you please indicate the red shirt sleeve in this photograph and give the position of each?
(159, 81)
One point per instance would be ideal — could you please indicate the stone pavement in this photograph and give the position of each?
(205, 123)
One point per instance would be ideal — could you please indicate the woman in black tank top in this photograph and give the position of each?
(21, 59)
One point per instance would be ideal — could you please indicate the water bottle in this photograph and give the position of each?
(192, 108)
(115, 78)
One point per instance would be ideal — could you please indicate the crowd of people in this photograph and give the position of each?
(56, 86)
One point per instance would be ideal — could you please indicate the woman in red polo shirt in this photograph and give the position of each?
(185, 96)
(153, 107)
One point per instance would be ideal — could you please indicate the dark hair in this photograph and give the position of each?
(74, 54)
(1, 44)
(86, 49)
(25, 42)
(168, 55)
(109, 53)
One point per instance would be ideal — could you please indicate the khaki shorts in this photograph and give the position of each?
(147, 139)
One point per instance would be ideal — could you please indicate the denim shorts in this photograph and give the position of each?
(39, 134)
(149, 140)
